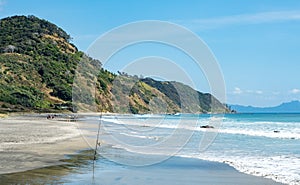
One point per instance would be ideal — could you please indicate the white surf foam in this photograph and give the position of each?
(280, 130)
(140, 136)
(281, 168)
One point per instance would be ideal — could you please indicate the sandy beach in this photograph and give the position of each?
(178, 171)
(32, 141)
(34, 150)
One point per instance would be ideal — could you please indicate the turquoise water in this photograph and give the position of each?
(167, 149)
(266, 145)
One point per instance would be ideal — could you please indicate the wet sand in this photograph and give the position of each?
(29, 142)
(174, 171)
(45, 152)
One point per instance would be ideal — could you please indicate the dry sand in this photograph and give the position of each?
(32, 141)
(29, 142)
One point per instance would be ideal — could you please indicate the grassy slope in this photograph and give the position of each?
(38, 67)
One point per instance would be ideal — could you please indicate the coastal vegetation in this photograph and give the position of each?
(38, 66)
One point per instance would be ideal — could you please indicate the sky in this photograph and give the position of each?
(256, 43)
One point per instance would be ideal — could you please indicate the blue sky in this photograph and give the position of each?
(257, 43)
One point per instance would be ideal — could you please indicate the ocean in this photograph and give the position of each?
(179, 149)
(266, 145)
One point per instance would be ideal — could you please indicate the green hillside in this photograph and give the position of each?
(37, 69)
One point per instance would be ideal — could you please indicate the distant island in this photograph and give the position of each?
(38, 64)
(288, 107)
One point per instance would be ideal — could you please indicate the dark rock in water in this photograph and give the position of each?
(276, 131)
(207, 126)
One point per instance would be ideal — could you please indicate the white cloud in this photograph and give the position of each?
(295, 91)
(237, 91)
(256, 18)
(258, 92)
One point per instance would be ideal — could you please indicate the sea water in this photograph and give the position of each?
(266, 145)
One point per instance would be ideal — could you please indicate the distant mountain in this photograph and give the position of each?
(38, 65)
(288, 107)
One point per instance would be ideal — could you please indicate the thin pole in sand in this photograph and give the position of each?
(99, 125)
(97, 141)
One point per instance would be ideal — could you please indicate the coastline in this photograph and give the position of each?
(31, 141)
(33, 157)
(175, 170)
(178, 170)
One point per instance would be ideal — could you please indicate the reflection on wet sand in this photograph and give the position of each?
(51, 174)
